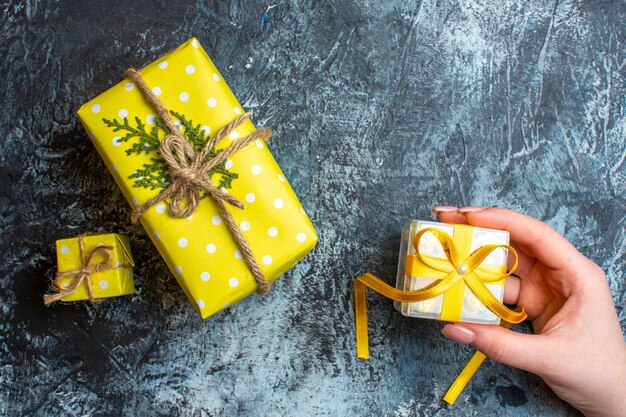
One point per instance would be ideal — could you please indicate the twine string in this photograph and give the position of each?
(81, 275)
(189, 174)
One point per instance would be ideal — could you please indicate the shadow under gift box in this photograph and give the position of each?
(200, 250)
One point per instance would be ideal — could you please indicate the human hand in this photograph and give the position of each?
(578, 348)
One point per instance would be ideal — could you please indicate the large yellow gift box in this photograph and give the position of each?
(200, 249)
(104, 261)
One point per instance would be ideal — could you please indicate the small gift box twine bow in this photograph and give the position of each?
(188, 174)
(452, 270)
(88, 265)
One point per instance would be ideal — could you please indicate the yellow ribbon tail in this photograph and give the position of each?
(464, 377)
(360, 307)
(386, 290)
(468, 372)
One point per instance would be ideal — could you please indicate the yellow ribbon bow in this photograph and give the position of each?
(454, 271)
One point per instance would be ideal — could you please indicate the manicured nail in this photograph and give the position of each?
(458, 334)
(471, 209)
(442, 209)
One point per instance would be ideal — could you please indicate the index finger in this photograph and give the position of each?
(544, 243)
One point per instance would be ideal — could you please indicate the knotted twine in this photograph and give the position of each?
(83, 273)
(189, 169)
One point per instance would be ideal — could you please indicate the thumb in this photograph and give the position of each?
(520, 350)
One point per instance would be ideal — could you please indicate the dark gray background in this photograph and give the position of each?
(381, 110)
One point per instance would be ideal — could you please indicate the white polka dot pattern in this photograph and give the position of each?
(199, 249)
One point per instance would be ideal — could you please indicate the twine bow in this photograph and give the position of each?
(453, 269)
(88, 266)
(188, 174)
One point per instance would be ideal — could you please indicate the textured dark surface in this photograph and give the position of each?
(381, 109)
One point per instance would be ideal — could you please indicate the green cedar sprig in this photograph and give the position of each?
(155, 175)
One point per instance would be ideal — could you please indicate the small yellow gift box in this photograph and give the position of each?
(199, 249)
(92, 267)
(458, 303)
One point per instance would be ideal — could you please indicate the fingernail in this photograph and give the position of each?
(471, 209)
(442, 209)
(458, 334)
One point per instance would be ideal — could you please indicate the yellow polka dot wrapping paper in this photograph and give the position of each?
(200, 250)
(105, 284)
